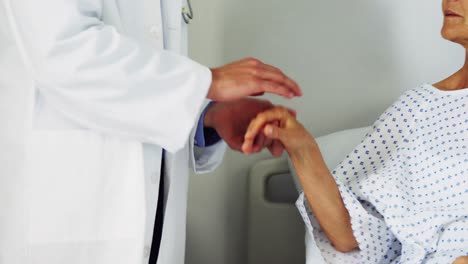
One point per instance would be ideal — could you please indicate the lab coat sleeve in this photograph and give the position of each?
(102, 79)
(206, 159)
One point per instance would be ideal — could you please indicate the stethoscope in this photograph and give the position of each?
(187, 13)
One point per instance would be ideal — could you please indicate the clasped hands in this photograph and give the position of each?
(234, 112)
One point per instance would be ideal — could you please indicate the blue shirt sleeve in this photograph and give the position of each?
(205, 136)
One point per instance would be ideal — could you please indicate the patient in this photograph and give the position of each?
(403, 193)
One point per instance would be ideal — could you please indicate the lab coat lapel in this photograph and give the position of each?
(111, 14)
(176, 175)
(172, 21)
(173, 238)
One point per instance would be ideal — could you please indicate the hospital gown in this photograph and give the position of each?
(406, 184)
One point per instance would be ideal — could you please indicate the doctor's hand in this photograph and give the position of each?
(231, 119)
(250, 77)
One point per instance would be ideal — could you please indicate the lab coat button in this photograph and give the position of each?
(147, 251)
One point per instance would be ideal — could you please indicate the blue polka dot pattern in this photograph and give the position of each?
(405, 186)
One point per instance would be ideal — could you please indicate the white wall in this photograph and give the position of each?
(351, 58)
(206, 224)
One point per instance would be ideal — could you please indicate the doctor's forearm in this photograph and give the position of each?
(104, 80)
(324, 198)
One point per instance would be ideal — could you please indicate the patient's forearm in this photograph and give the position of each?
(324, 198)
(461, 260)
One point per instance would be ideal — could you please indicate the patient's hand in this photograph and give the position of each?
(279, 124)
(461, 260)
(318, 183)
(231, 119)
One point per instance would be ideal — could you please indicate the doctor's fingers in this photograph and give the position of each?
(258, 69)
(235, 144)
(268, 72)
(242, 82)
(261, 86)
(231, 88)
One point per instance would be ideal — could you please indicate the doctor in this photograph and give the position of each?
(91, 94)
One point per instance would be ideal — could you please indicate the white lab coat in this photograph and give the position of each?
(88, 99)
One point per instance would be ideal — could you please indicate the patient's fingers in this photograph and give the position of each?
(292, 112)
(276, 133)
(279, 114)
(269, 143)
(259, 143)
(276, 148)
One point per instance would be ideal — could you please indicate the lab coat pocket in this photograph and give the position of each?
(83, 187)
